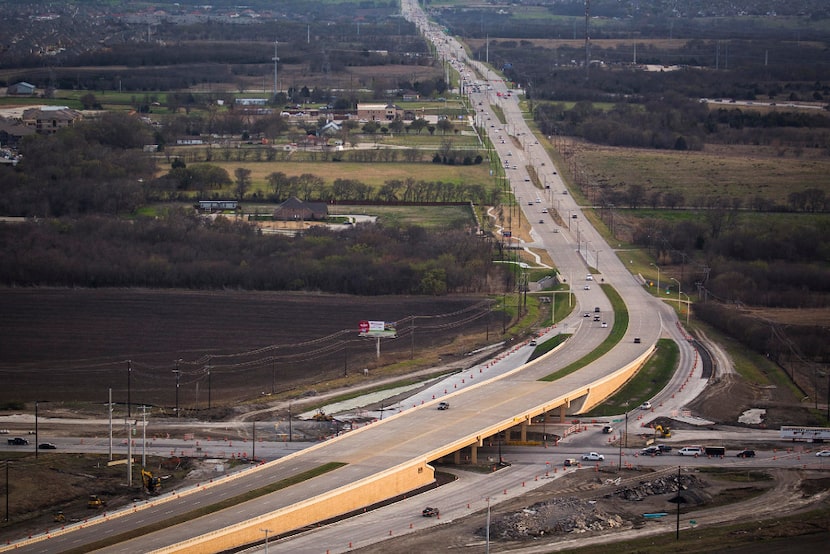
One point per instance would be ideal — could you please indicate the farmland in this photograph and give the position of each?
(80, 341)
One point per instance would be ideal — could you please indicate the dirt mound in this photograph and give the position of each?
(726, 398)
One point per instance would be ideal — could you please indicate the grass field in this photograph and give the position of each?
(373, 175)
(718, 172)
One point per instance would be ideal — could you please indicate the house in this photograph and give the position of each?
(48, 120)
(411, 96)
(11, 131)
(295, 209)
(330, 128)
(378, 112)
(21, 89)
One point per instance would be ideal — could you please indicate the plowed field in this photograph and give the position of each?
(72, 345)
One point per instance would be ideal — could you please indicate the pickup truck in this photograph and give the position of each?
(17, 441)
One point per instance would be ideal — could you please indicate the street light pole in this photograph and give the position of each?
(266, 531)
(658, 277)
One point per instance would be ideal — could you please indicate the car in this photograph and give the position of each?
(589, 277)
(823, 453)
(544, 210)
(429, 511)
(17, 441)
(596, 318)
(593, 457)
(443, 405)
(587, 287)
(586, 314)
(746, 454)
(664, 448)
(607, 429)
(652, 450)
(533, 342)
(542, 221)
(690, 451)
(604, 324)
(645, 405)
(636, 340)
(46, 446)
(530, 202)
(569, 462)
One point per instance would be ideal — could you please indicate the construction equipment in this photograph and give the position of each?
(151, 484)
(95, 502)
(322, 416)
(59, 517)
(662, 432)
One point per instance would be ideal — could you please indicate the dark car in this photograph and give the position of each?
(746, 454)
(652, 451)
(430, 512)
(46, 446)
(443, 405)
(17, 441)
(664, 448)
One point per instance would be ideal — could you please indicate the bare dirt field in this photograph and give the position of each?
(71, 345)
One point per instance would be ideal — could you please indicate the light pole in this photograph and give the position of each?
(688, 307)
(266, 531)
(678, 291)
(658, 277)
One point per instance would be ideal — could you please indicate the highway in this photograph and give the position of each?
(503, 390)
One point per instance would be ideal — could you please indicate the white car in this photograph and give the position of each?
(646, 405)
(823, 453)
(587, 287)
(593, 457)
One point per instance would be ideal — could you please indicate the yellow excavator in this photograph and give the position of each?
(151, 484)
(95, 502)
(662, 432)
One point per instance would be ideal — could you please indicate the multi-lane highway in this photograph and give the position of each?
(421, 434)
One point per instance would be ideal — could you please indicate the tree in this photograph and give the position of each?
(243, 181)
(635, 195)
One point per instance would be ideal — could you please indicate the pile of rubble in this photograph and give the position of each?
(688, 485)
(555, 517)
(565, 515)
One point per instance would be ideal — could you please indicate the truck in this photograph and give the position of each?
(17, 441)
(714, 451)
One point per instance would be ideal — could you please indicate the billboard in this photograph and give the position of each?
(377, 329)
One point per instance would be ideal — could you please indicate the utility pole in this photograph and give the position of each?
(178, 373)
(143, 436)
(129, 379)
(276, 60)
(109, 409)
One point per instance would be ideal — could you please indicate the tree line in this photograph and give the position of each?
(676, 123)
(183, 250)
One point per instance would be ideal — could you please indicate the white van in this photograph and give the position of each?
(690, 451)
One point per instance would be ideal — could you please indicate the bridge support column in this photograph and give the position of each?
(563, 412)
(456, 457)
(474, 454)
(523, 431)
(507, 435)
